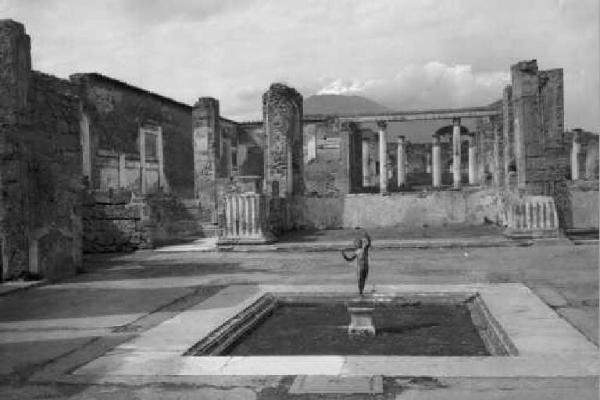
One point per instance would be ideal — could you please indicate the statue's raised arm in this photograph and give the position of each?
(352, 257)
(368, 240)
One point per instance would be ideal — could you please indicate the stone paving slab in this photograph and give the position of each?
(384, 244)
(337, 384)
(14, 286)
(547, 345)
(551, 296)
(531, 394)
(583, 319)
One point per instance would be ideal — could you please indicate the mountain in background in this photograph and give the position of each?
(339, 104)
(419, 131)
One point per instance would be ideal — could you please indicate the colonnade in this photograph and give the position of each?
(436, 159)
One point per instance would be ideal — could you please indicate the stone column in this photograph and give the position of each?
(366, 176)
(436, 162)
(472, 161)
(401, 162)
(456, 160)
(284, 158)
(428, 163)
(575, 150)
(382, 125)
(507, 133)
(312, 143)
(162, 180)
(591, 160)
(142, 149)
(498, 154)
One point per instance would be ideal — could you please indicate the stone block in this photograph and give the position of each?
(324, 384)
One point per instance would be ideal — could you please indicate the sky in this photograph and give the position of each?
(404, 54)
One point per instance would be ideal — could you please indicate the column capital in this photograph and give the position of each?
(401, 139)
(382, 124)
(456, 121)
(436, 140)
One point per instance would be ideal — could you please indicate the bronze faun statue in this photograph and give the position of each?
(361, 253)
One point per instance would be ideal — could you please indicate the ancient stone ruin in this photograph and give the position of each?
(93, 164)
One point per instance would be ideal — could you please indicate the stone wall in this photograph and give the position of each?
(436, 208)
(583, 206)
(120, 221)
(40, 165)
(116, 111)
(114, 221)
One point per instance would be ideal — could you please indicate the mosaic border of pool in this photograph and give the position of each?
(547, 345)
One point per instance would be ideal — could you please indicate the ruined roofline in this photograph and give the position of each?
(98, 76)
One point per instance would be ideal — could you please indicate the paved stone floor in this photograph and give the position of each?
(48, 330)
(406, 233)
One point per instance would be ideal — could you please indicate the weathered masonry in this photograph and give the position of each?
(40, 165)
(93, 164)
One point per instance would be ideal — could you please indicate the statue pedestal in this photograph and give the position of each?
(361, 321)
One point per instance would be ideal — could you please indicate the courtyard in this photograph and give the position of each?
(50, 331)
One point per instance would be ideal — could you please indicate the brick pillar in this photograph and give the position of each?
(284, 160)
(207, 144)
(15, 68)
(528, 137)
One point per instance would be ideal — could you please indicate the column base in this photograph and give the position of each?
(265, 238)
(530, 234)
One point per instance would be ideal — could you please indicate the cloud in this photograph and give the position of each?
(430, 85)
(405, 54)
(342, 86)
